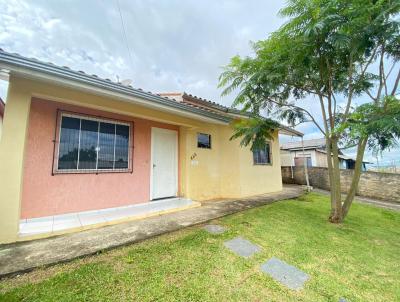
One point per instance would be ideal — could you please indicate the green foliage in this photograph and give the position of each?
(322, 50)
(292, 115)
(255, 131)
(380, 121)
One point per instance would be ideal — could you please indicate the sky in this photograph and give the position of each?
(167, 45)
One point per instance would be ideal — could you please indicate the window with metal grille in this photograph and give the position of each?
(203, 141)
(262, 156)
(93, 144)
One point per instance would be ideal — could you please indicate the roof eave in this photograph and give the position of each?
(38, 70)
(290, 131)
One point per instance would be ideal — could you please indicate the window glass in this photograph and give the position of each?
(89, 144)
(204, 140)
(106, 146)
(262, 156)
(121, 147)
(69, 143)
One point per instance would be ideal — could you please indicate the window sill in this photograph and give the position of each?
(64, 172)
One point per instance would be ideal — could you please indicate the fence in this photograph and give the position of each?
(383, 186)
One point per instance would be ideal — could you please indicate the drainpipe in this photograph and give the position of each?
(305, 167)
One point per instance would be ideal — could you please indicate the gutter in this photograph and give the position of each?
(26, 66)
(40, 70)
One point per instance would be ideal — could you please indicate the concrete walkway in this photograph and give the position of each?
(25, 256)
(374, 202)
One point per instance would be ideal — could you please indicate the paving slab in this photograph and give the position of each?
(242, 247)
(214, 229)
(24, 256)
(286, 274)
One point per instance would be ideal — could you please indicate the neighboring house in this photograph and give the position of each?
(2, 108)
(314, 154)
(74, 142)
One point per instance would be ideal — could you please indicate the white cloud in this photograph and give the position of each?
(175, 45)
(188, 41)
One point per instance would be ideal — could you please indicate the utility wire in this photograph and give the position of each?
(124, 34)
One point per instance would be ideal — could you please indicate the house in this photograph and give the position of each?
(314, 154)
(2, 108)
(76, 143)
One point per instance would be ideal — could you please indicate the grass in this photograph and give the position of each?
(358, 260)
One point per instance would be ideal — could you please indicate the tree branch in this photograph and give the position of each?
(299, 108)
(303, 122)
(396, 84)
(334, 104)
(350, 90)
(371, 58)
(331, 117)
(370, 95)
(321, 101)
(356, 176)
(381, 74)
(384, 79)
(369, 61)
(391, 69)
(305, 89)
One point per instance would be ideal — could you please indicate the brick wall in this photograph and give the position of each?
(383, 186)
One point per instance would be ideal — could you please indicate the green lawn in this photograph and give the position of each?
(358, 260)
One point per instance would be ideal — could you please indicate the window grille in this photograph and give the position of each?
(262, 156)
(89, 144)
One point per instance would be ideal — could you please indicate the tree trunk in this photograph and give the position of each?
(356, 177)
(330, 173)
(337, 216)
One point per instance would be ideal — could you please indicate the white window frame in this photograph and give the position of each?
(81, 117)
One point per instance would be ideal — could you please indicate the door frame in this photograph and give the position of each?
(163, 130)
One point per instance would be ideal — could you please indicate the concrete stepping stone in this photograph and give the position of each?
(342, 300)
(242, 247)
(214, 228)
(286, 274)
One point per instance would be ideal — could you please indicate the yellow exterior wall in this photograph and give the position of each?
(1, 126)
(12, 147)
(224, 171)
(202, 169)
(259, 179)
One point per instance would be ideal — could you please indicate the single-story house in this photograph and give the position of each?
(314, 154)
(75, 143)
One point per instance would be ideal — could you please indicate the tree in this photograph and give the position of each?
(324, 53)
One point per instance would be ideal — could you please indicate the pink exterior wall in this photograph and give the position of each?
(45, 194)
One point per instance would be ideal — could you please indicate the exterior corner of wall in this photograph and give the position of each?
(12, 152)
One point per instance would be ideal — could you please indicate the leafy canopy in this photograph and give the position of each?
(324, 50)
(380, 121)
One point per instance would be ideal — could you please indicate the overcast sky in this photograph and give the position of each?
(168, 45)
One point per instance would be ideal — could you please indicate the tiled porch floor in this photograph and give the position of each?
(56, 223)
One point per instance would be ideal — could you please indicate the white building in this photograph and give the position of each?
(314, 154)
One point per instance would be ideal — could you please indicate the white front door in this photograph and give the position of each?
(164, 163)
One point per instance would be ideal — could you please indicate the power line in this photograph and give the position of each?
(125, 36)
